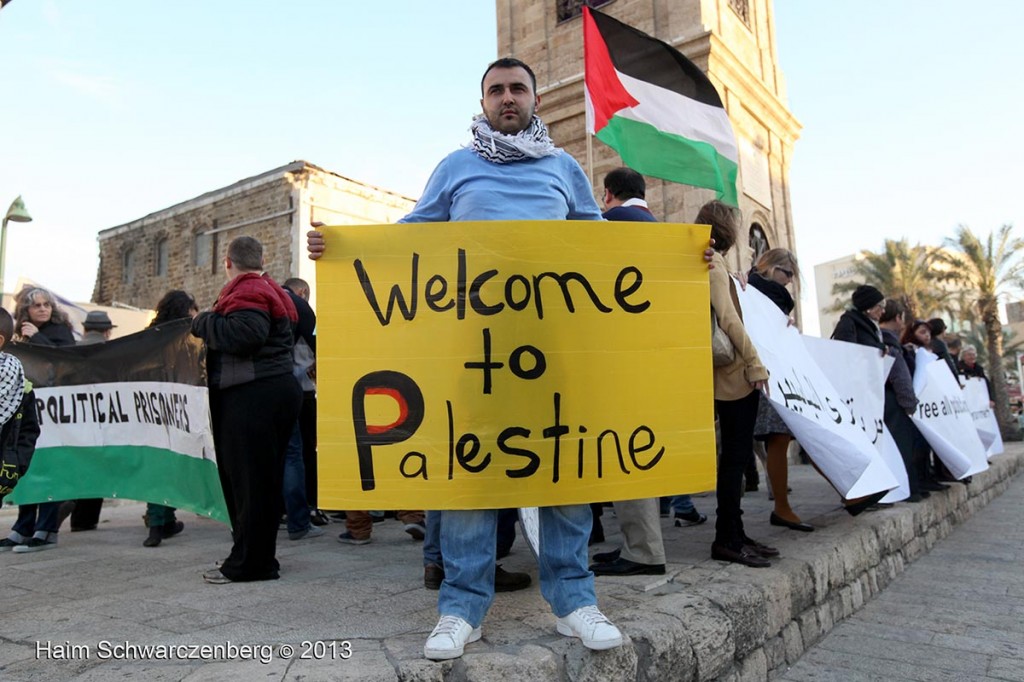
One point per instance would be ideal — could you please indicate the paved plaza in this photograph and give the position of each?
(85, 610)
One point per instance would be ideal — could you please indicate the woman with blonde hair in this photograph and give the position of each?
(738, 387)
(772, 272)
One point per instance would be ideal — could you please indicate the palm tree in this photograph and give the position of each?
(900, 271)
(989, 269)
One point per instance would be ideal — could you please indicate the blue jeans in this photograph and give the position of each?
(36, 518)
(432, 539)
(294, 488)
(682, 504)
(468, 547)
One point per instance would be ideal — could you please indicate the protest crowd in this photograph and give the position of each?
(259, 346)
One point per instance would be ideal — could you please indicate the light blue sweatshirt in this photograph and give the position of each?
(466, 187)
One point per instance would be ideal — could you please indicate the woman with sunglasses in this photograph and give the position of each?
(39, 320)
(772, 272)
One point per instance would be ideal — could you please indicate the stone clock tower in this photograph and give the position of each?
(733, 41)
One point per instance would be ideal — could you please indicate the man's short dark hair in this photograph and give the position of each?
(246, 253)
(509, 63)
(625, 183)
(296, 283)
(937, 326)
(6, 326)
(892, 310)
(722, 219)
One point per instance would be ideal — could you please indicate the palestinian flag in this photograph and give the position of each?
(655, 108)
(129, 418)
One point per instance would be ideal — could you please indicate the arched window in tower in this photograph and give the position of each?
(128, 266)
(742, 9)
(758, 243)
(161, 257)
(567, 9)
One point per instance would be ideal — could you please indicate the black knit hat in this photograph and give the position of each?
(866, 297)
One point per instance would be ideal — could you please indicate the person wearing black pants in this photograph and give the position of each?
(737, 421)
(900, 400)
(254, 404)
(252, 423)
(737, 389)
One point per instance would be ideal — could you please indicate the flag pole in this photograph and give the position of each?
(590, 158)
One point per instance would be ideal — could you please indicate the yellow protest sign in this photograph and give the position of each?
(509, 364)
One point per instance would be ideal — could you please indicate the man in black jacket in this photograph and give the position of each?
(254, 404)
(300, 457)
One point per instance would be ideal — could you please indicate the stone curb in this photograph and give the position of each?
(740, 624)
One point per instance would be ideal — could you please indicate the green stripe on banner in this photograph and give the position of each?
(652, 152)
(126, 471)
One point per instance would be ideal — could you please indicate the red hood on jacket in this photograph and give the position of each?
(252, 291)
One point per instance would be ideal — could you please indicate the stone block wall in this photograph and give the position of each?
(195, 249)
(191, 238)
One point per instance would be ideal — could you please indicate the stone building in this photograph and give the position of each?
(733, 41)
(183, 246)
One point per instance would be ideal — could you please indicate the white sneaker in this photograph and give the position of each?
(591, 626)
(449, 638)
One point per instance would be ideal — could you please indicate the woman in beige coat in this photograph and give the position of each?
(738, 387)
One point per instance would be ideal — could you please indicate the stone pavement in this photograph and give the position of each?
(956, 614)
(68, 613)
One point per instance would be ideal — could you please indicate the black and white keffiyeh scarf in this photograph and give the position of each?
(12, 386)
(498, 147)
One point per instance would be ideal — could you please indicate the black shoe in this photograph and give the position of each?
(915, 498)
(925, 494)
(318, 518)
(626, 567)
(760, 548)
(172, 528)
(155, 537)
(934, 486)
(433, 576)
(607, 557)
(750, 487)
(506, 581)
(744, 555)
(777, 520)
(694, 518)
(80, 529)
(857, 508)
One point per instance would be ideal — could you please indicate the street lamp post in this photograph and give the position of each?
(18, 214)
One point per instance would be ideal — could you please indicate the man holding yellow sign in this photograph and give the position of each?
(494, 361)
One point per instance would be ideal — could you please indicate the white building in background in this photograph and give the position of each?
(826, 276)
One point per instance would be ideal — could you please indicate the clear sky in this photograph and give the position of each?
(113, 109)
